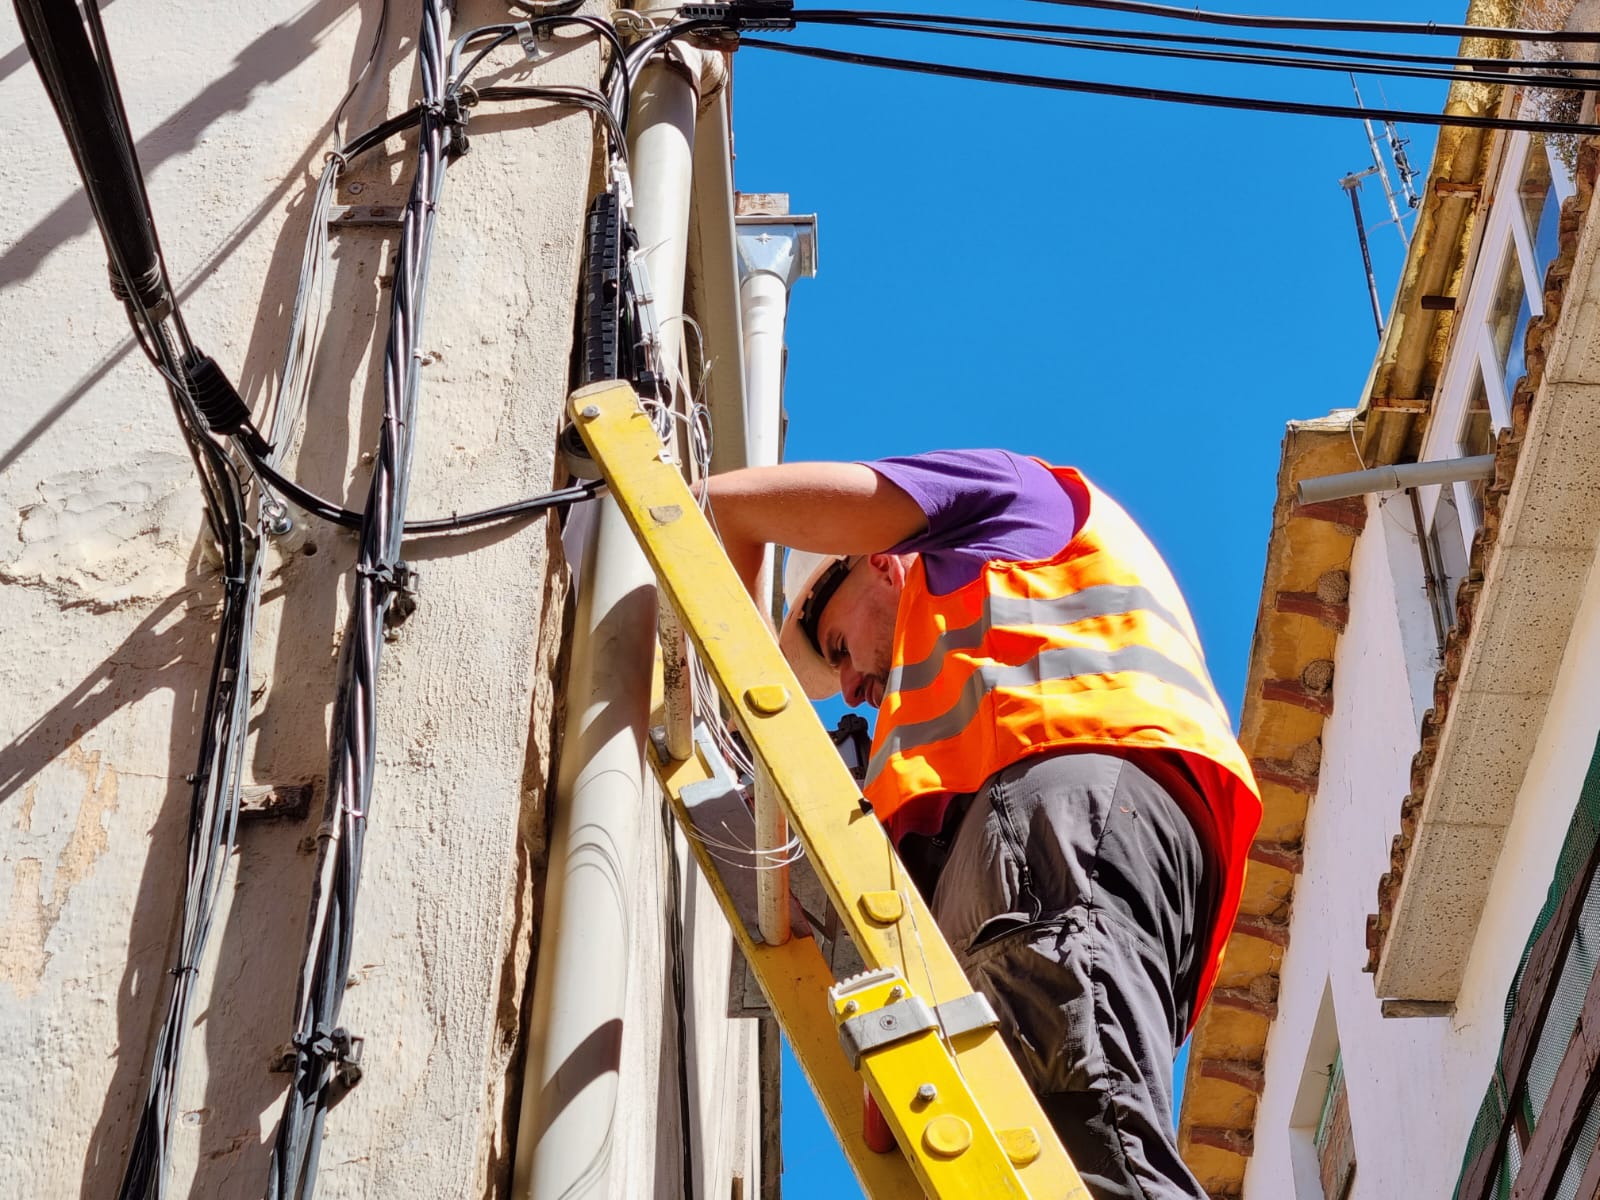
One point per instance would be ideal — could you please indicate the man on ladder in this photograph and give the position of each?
(1050, 758)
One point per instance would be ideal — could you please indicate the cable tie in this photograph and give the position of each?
(183, 969)
(469, 95)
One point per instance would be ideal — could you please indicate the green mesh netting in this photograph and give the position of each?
(1577, 969)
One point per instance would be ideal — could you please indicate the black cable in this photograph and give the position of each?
(1299, 63)
(1330, 24)
(842, 16)
(324, 1065)
(615, 71)
(680, 1002)
(1202, 99)
(83, 97)
(335, 514)
(579, 97)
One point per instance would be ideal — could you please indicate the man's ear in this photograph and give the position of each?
(889, 568)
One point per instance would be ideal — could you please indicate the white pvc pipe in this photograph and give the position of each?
(764, 304)
(764, 301)
(1392, 479)
(569, 1100)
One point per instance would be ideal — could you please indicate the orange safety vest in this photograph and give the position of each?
(1093, 647)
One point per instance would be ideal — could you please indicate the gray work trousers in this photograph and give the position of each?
(1076, 894)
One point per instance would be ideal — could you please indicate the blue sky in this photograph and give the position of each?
(1145, 291)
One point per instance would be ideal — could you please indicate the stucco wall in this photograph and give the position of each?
(110, 602)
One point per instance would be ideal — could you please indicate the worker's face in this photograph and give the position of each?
(856, 630)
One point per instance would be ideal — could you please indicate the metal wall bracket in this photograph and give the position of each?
(349, 216)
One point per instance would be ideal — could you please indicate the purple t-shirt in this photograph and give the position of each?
(981, 505)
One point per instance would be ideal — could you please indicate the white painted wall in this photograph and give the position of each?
(1415, 1084)
(109, 603)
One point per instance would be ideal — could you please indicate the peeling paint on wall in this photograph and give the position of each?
(104, 537)
(29, 915)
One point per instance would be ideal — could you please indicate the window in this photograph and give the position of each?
(1504, 293)
(1448, 542)
(1336, 1148)
(1321, 1141)
(1509, 314)
(1475, 437)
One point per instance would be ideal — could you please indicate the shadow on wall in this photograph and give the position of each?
(171, 648)
(268, 58)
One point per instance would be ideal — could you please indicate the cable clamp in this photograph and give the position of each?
(744, 16)
(454, 114)
(337, 1047)
(530, 44)
(333, 156)
(397, 583)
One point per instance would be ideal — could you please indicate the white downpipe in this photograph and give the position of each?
(565, 1141)
(770, 259)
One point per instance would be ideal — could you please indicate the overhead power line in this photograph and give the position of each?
(1292, 62)
(1169, 95)
(864, 17)
(1330, 24)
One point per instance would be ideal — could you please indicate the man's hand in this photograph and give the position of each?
(828, 508)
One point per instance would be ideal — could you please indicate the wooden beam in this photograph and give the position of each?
(1235, 1141)
(1246, 1075)
(1264, 928)
(1349, 513)
(1309, 604)
(1284, 773)
(1566, 1111)
(1294, 691)
(1286, 856)
(1403, 1009)
(1244, 1000)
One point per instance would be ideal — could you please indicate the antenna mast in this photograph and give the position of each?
(1352, 186)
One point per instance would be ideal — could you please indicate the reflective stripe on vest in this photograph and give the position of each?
(1056, 664)
(1104, 600)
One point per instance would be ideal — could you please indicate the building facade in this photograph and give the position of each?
(484, 1054)
(1411, 1008)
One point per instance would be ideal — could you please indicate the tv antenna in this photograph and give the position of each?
(1352, 185)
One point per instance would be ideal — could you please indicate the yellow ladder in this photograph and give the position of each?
(910, 1026)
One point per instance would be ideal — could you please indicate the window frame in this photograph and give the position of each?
(1472, 354)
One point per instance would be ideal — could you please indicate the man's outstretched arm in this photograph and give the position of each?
(829, 508)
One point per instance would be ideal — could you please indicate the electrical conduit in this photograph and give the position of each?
(565, 1140)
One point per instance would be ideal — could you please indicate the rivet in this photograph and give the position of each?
(948, 1136)
(355, 189)
(767, 699)
(885, 908)
(1021, 1145)
(589, 412)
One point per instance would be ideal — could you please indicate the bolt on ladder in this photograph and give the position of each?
(910, 1027)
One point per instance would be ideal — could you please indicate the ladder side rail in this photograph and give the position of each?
(883, 913)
